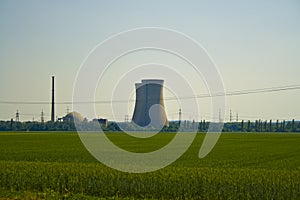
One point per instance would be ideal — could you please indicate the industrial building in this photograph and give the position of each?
(149, 101)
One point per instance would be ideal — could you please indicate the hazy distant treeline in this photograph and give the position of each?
(243, 126)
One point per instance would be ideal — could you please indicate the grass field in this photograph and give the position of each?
(241, 166)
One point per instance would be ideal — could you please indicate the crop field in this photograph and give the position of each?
(46, 165)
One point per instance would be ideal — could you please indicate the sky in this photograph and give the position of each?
(255, 44)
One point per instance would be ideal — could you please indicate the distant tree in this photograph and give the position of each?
(184, 124)
(200, 126)
(11, 123)
(242, 125)
(265, 126)
(248, 126)
(270, 126)
(293, 125)
(259, 125)
(256, 125)
(288, 126)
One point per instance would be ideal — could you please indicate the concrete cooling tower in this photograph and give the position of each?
(149, 105)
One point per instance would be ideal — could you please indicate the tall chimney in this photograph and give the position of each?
(52, 104)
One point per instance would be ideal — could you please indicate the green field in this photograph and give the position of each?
(241, 166)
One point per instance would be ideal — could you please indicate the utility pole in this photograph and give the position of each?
(179, 115)
(237, 117)
(42, 116)
(52, 103)
(17, 116)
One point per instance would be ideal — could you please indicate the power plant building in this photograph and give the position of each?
(149, 105)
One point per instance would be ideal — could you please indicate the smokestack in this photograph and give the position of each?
(52, 104)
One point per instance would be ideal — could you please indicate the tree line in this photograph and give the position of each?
(242, 126)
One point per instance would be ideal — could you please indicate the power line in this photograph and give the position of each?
(233, 93)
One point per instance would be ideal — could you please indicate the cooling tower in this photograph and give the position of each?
(149, 105)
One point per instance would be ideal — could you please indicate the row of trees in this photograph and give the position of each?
(243, 126)
(263, 126)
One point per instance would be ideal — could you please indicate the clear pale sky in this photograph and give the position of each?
(255, 44)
